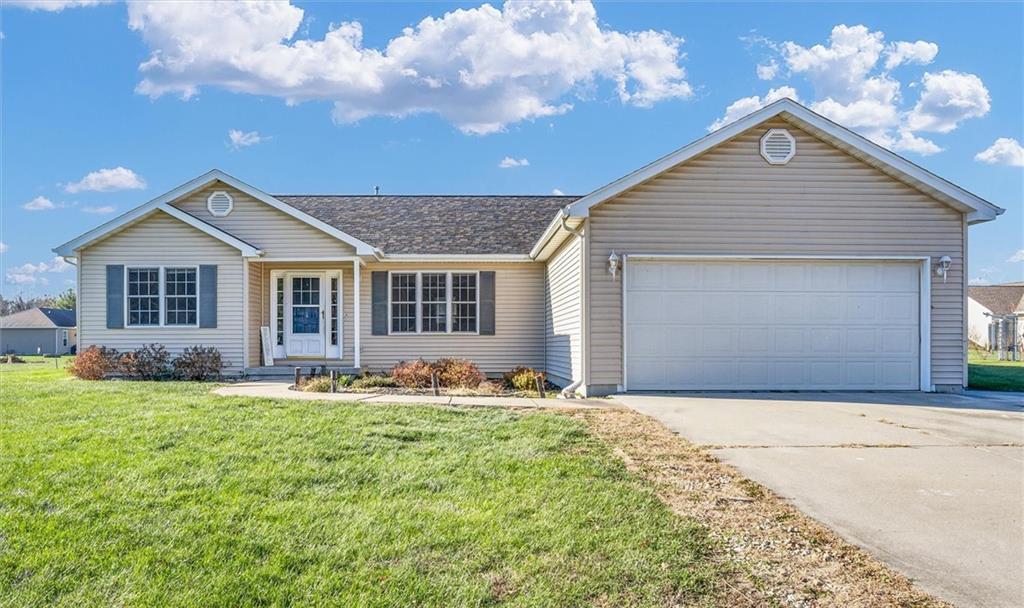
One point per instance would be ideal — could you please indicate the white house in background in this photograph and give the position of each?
(1001, 300)
(42, 331)
(780, 252)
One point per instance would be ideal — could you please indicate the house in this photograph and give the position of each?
(38, 331)
(995, 315)
(782, 251)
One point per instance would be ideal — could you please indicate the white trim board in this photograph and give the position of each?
(163, 203)
(924, 295)
(977, 208)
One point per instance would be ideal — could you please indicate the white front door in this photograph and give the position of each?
(304, 315)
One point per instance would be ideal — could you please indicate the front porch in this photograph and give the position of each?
(301, 313)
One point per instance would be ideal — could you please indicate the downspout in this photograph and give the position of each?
(569, 392)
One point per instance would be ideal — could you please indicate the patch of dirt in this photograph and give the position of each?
(779, 556)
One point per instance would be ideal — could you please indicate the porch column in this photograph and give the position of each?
(355, 312)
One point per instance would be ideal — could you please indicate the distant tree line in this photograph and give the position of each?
(9, 306)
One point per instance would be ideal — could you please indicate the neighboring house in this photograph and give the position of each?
(45, 331)
(1005, 303)
(779, 252)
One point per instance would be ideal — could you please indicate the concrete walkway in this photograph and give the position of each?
(280, 390)
(931, 484)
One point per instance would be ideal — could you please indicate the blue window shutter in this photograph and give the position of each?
(487, 303)
(208, 296)
(115, 296)
(379, 308)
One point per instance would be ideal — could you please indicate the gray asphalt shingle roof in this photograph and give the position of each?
(436, 224)
(39, 318)
(1000, 299)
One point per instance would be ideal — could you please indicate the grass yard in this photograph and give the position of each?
(985, 372)
(159, 494)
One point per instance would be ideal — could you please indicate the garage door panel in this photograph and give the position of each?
(772, 325)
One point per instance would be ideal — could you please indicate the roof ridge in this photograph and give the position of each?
(442, 195)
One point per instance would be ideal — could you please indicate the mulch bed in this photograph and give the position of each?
(781, 556)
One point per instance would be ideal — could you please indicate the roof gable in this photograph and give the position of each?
(976, 208)
(163, 203)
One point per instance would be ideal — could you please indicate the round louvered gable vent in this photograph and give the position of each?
(778, 147)
(220, 203)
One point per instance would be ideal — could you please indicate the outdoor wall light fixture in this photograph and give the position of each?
(613, 264)
(942, 268)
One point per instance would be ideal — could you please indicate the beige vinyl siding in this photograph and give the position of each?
(257, 223)
(160, 240)
(519, 323)
(261, 302)
(730, 201)
(563, 312)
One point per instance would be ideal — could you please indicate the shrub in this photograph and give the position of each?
(198, 363)
(412, 374)
(522, 379)
(147, 363)
(373, 382)
(94, 363)
(318, 384)
(322, 384)
(458, 373)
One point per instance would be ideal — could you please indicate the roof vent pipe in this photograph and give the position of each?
(376, 190)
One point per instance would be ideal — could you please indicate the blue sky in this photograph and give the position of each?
(106, 106)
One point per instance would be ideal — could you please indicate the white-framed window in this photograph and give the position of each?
(143, 294)
(161, 296)
(334, 311)
(279, 302)
(64, 337)
(433, 302)
(181, 300)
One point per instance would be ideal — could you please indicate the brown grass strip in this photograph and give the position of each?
(777, 555)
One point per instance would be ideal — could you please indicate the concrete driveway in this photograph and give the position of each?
(931, 484)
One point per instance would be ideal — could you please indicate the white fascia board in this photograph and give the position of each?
(981, 210)
(195, 184)
(456, 258)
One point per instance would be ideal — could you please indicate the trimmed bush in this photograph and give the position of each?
(522, 379)
(94, 363)
(198, 363)
(412, 374)
(373, 382)
(457, 373)
(147, 363)
(344, 380)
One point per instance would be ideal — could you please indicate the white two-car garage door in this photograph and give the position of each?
(772, 325)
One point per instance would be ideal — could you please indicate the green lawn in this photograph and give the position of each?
(159, 494)
(986, 372)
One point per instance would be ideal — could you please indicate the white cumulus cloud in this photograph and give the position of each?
(3, 247)
(852, 85)
(979, 281)
(557, 192)
(108, 180)
(242, 139)
(920, 52)
(32, 274)
(54, 6)
(767, 71)
(509, 163)
(100, 210)
(947, 98)
(39, 203)
(479, 68)
(746, 105)
(1004, 151)
(1017, 257)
